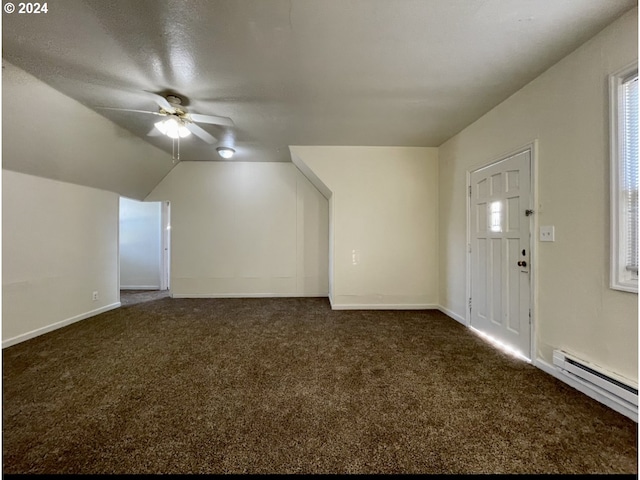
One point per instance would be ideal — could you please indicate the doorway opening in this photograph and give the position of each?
(144, 250)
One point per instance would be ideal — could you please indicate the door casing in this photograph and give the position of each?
(533, 244)
(165, 247)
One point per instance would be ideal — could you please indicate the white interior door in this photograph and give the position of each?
(500, 251)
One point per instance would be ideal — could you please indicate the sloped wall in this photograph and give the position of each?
(47, 134)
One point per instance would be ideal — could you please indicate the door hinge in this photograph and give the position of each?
(469, 190)
(469, 303)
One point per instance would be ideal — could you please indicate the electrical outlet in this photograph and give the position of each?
(95, 296)
(548, 234)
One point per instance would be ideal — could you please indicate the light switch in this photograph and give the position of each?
(548, 233)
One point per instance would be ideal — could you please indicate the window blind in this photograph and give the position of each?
(630, 171)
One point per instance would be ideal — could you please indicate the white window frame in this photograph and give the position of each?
(620, 278)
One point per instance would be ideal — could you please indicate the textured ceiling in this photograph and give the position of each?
(301, 72)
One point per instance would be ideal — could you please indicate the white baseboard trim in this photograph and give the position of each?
(139, 287)
(248, 295)
(591, 391)
(54, 326)
(453, 315)
(383, 306)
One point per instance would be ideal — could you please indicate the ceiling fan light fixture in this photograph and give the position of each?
(225, 152)
(172, 128)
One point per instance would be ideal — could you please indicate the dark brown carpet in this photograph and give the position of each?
(290, 386)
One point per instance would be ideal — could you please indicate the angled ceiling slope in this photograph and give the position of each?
(47, 134)
(303, 72)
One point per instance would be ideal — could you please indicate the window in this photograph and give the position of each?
(495, 212)
(624, 179)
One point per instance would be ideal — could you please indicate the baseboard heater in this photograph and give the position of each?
(609, 384)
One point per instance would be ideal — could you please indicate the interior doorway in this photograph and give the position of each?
(144, 245)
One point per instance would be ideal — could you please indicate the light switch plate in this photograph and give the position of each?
(548, 233)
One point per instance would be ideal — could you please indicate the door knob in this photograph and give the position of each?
(522, 264)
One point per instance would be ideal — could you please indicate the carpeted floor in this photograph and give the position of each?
(289, 386)
(131, 297)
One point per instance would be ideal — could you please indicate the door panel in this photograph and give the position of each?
(500, 257)
(495, 280)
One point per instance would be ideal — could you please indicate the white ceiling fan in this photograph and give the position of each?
(178, 122)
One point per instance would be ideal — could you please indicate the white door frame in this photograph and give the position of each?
(165, 246)
(533, 244)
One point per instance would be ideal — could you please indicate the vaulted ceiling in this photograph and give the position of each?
(300, 72)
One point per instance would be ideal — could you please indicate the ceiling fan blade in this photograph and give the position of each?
(154, 132)
(129, 110)
(161, 101)
(200, 132)
(212, 119)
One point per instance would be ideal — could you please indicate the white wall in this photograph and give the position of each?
(140, 244)
(245, 229)
(60, 240)
(50, 135)
(566, 110)
(59, 245)
(384, 223)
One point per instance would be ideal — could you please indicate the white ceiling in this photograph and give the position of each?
(301, 72)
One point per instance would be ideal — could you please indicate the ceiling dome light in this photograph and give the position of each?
(172, 128)
(225, 152)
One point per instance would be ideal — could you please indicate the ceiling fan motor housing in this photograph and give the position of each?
(174, 99)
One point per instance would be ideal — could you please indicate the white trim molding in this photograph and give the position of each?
(383, 306)
(455, 316)
(620, 279)
(55, 326)
(247, 295)
(140, 287)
